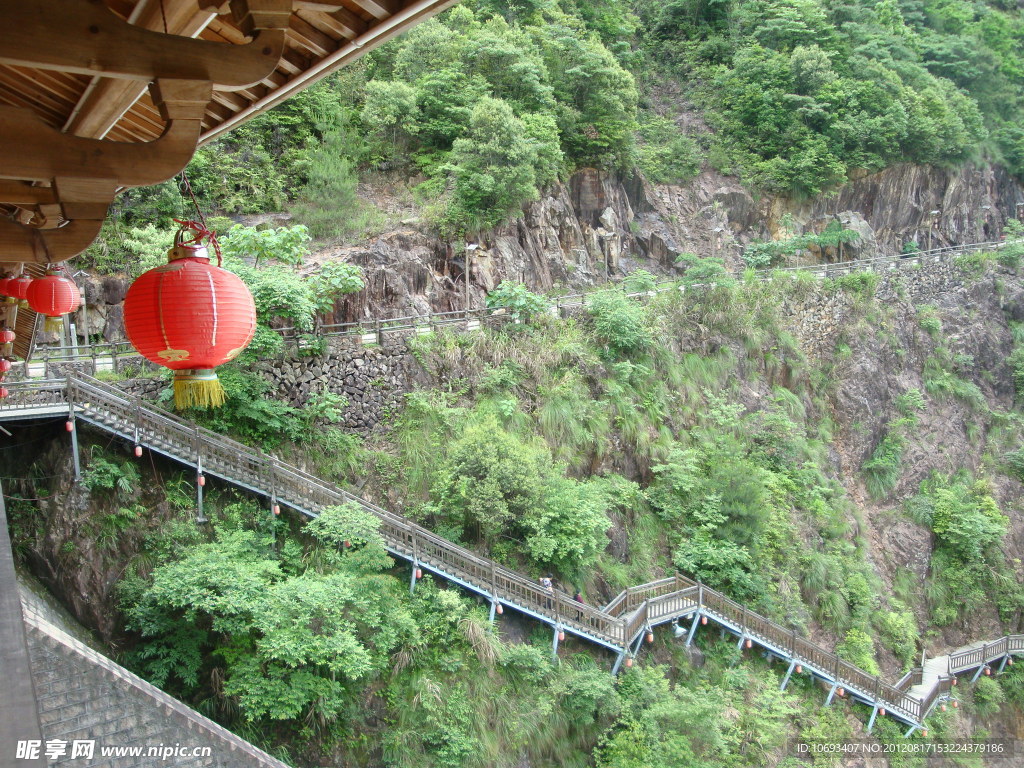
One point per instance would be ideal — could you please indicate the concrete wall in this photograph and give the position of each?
(82, 695)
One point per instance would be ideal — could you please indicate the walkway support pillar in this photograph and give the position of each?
(831, 693)
(1002, 664)
(494, 605)
(618, 662)
(72, 427)
(412, 579)
(789, 673)
(554, 640)
(201, 518)
(693, 629)
(978, 673)
(874, 714)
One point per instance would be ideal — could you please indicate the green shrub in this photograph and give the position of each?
(899, 633)
(882, 471)
(858, 648)
(620, 322)
(928, 319)
(910, 403)
(988, 696)
(518, 299)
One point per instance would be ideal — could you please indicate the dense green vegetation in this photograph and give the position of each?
(680, 431)
(470, 115)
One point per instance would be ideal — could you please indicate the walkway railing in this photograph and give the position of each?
(619, 625)
(110, 355)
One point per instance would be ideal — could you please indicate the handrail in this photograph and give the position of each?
(378, 327)
(632, 612)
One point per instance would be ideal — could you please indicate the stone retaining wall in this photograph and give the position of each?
(818, 318)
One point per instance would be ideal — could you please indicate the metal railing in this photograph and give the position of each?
(631, 613)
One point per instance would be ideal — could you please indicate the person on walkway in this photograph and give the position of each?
(549, 587)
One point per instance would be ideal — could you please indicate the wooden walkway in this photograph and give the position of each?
(620, 626)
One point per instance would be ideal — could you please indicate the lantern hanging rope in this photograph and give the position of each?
(190, 316)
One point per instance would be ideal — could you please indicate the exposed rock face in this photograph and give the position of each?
(599, 226)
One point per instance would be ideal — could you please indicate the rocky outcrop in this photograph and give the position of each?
(599, 225)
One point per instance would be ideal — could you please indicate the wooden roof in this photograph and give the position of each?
(321, 37)
(97, 95)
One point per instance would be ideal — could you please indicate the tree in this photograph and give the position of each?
(493, 168)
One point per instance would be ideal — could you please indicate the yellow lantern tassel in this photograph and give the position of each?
(197, 389)
(54, 324)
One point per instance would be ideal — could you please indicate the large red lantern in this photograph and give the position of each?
(18, 289)
(4, 283)
(7, 336)
(5, 366)
(54, 296)
(190, 316)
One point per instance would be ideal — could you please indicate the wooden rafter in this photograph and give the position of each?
(73, 72)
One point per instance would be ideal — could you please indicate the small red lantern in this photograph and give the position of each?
(7, 336)
(201, 479)
(69, 426)
(4, 392)
(988, 671)
(650, 637)
(277, 509)
(53, 296)
(842, 692)
(18, 290)
(5, 366)
(703, 619)
(498, 609)
(799, 669)
(942, 707)
(749, 642)
(561, 635)
(138, 451)
(954, 681)
(629, 662)
(956, 705)
(346, 544)
(882, 711)
(190, 316)
(419, 573)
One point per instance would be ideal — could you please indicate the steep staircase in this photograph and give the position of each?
(620, 626)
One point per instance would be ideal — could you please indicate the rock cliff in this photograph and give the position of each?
(599, 226)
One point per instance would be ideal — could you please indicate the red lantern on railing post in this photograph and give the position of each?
(7, 337)
(190, 316)
(54, 296)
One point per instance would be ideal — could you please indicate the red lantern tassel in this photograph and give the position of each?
(197, 389)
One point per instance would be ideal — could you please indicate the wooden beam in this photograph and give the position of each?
(342, 24)
(86, 38)
(19, 243)
(380, 9)
(253, 15)
(32, 150)
(22, 194)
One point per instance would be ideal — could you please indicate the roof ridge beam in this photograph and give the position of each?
(86, 38)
